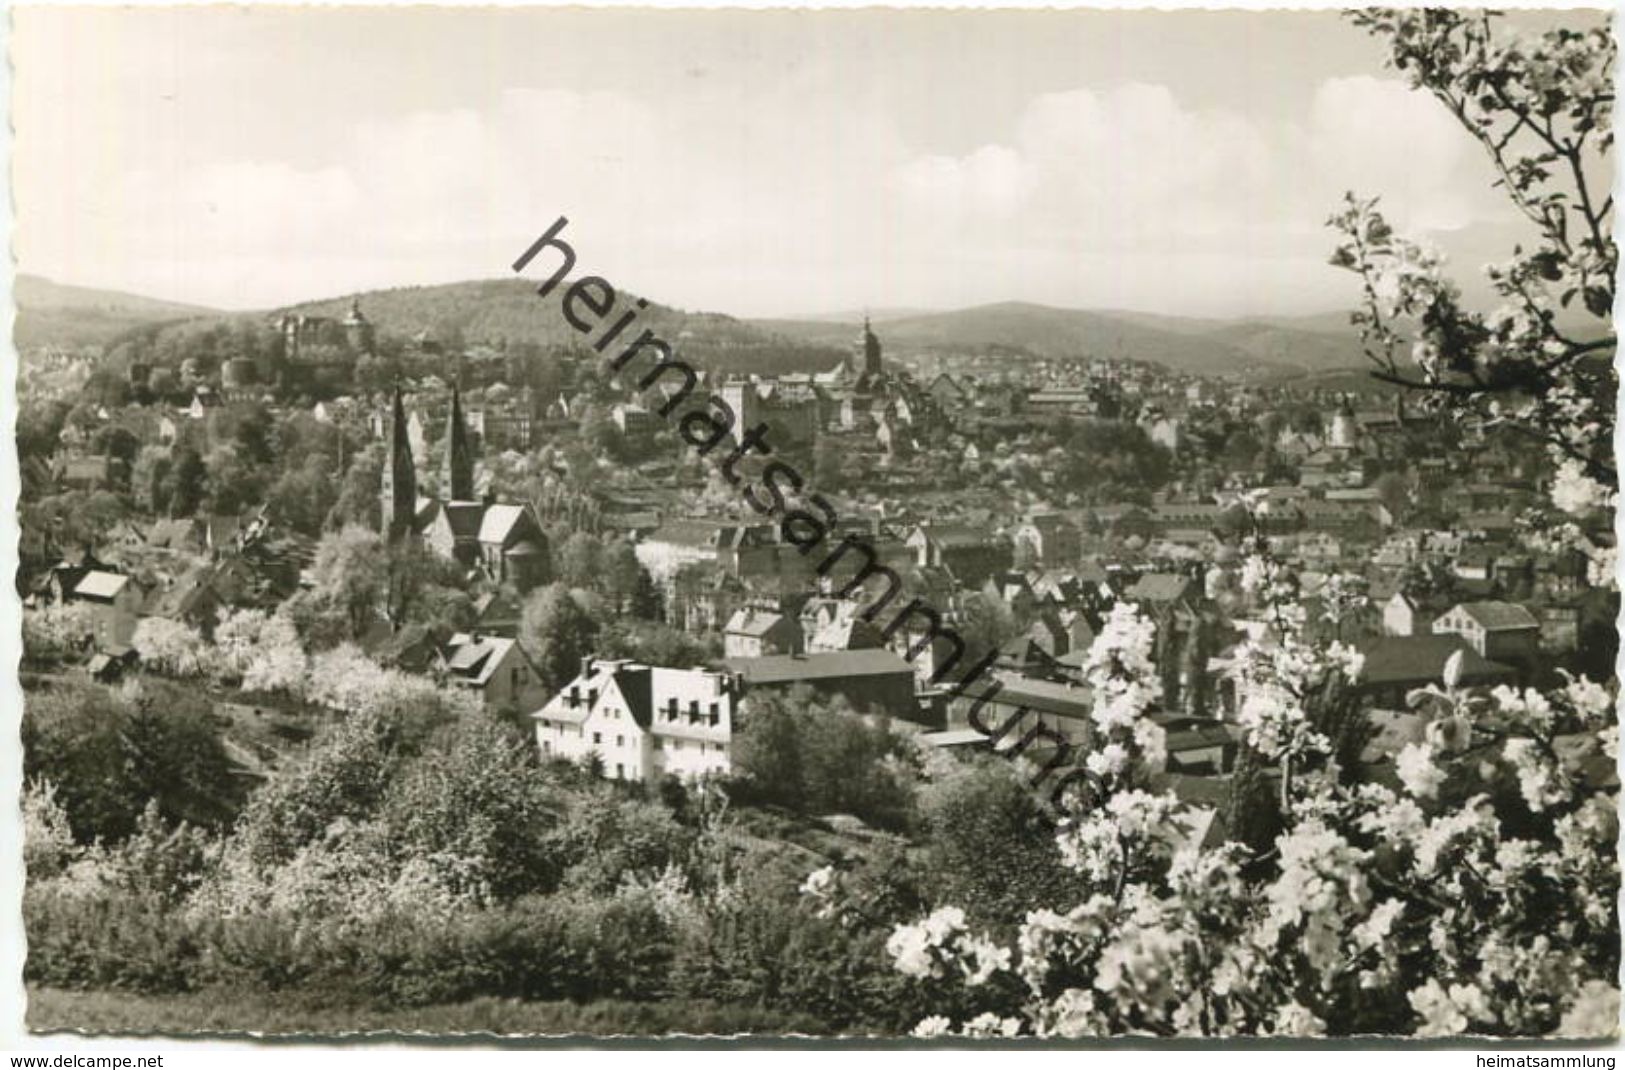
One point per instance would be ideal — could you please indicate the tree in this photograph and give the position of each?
(116, 442)
(1393, 490)
(478, 808)
(149, 480)
(817, 756)
(621, 574)
(235, 483)
(656, 644)
(260, 652)
(111, 753)
(1420, 908)
(358, 494)
(988, 623)
(39, 428)
(580, 561)
(57, 631)
(186, 483)
(981, 824)
(351, 574)
(303, 497)
(557, 632)
(171, 647)
(1542, 111)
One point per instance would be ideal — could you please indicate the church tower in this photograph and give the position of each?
(357, 329)
(399, 495)
(459, 474)
(1345, 429)
(866, 363)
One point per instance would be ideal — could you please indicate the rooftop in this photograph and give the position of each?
(1419, 659)
(788, 668)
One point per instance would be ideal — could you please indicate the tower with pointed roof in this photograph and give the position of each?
(1345, 428)
(357, 329)
(866, 354)
(398, 498)
(459, 471)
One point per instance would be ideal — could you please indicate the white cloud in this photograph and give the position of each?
(789, 198)
(1376, 135)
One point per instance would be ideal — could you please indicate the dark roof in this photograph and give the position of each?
(1500, 616)
(700, 534)
(959, 535)
(464, 518)
(633, 682)
(1158, 587)
(1420, 659)
(172, 534)
(754, 622)
(1040, 696)
(188, 594)
(788, 668)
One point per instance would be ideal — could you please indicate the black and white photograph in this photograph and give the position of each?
(979, 528)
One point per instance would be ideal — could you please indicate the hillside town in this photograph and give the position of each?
(520, 656)
(1017, 509)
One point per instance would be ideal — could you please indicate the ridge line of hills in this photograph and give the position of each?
(51, 313)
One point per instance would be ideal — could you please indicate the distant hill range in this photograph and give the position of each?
(508, 309)
(1258, 347)
(50, 313)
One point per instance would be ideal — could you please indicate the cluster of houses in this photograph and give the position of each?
(1444, 577)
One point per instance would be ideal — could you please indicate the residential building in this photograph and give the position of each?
(870, 680)
(494, 667)
(753, 632)
(1500, 631)
(643, 722)
(115, 602)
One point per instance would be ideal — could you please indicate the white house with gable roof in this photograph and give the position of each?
(643, 721)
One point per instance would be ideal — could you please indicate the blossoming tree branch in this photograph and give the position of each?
(1476, 891)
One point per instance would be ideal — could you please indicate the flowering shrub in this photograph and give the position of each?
(1542, 108)
(262, 652)
(1480, 894)
(56, 631)
(171, 647)
(1439, 909)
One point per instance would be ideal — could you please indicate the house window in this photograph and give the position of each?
(676, 744)
(659, 743)
(575, 697)
(620, 771)
(620, 741)
(597, 737)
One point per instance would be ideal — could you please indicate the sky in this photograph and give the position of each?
(753, 163)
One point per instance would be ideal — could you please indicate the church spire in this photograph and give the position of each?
(399, 497)
(866, 363)
(459, 474)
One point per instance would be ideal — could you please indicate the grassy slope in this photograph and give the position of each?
(55, 1010)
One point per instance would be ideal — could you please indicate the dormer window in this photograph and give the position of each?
(575, 697)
